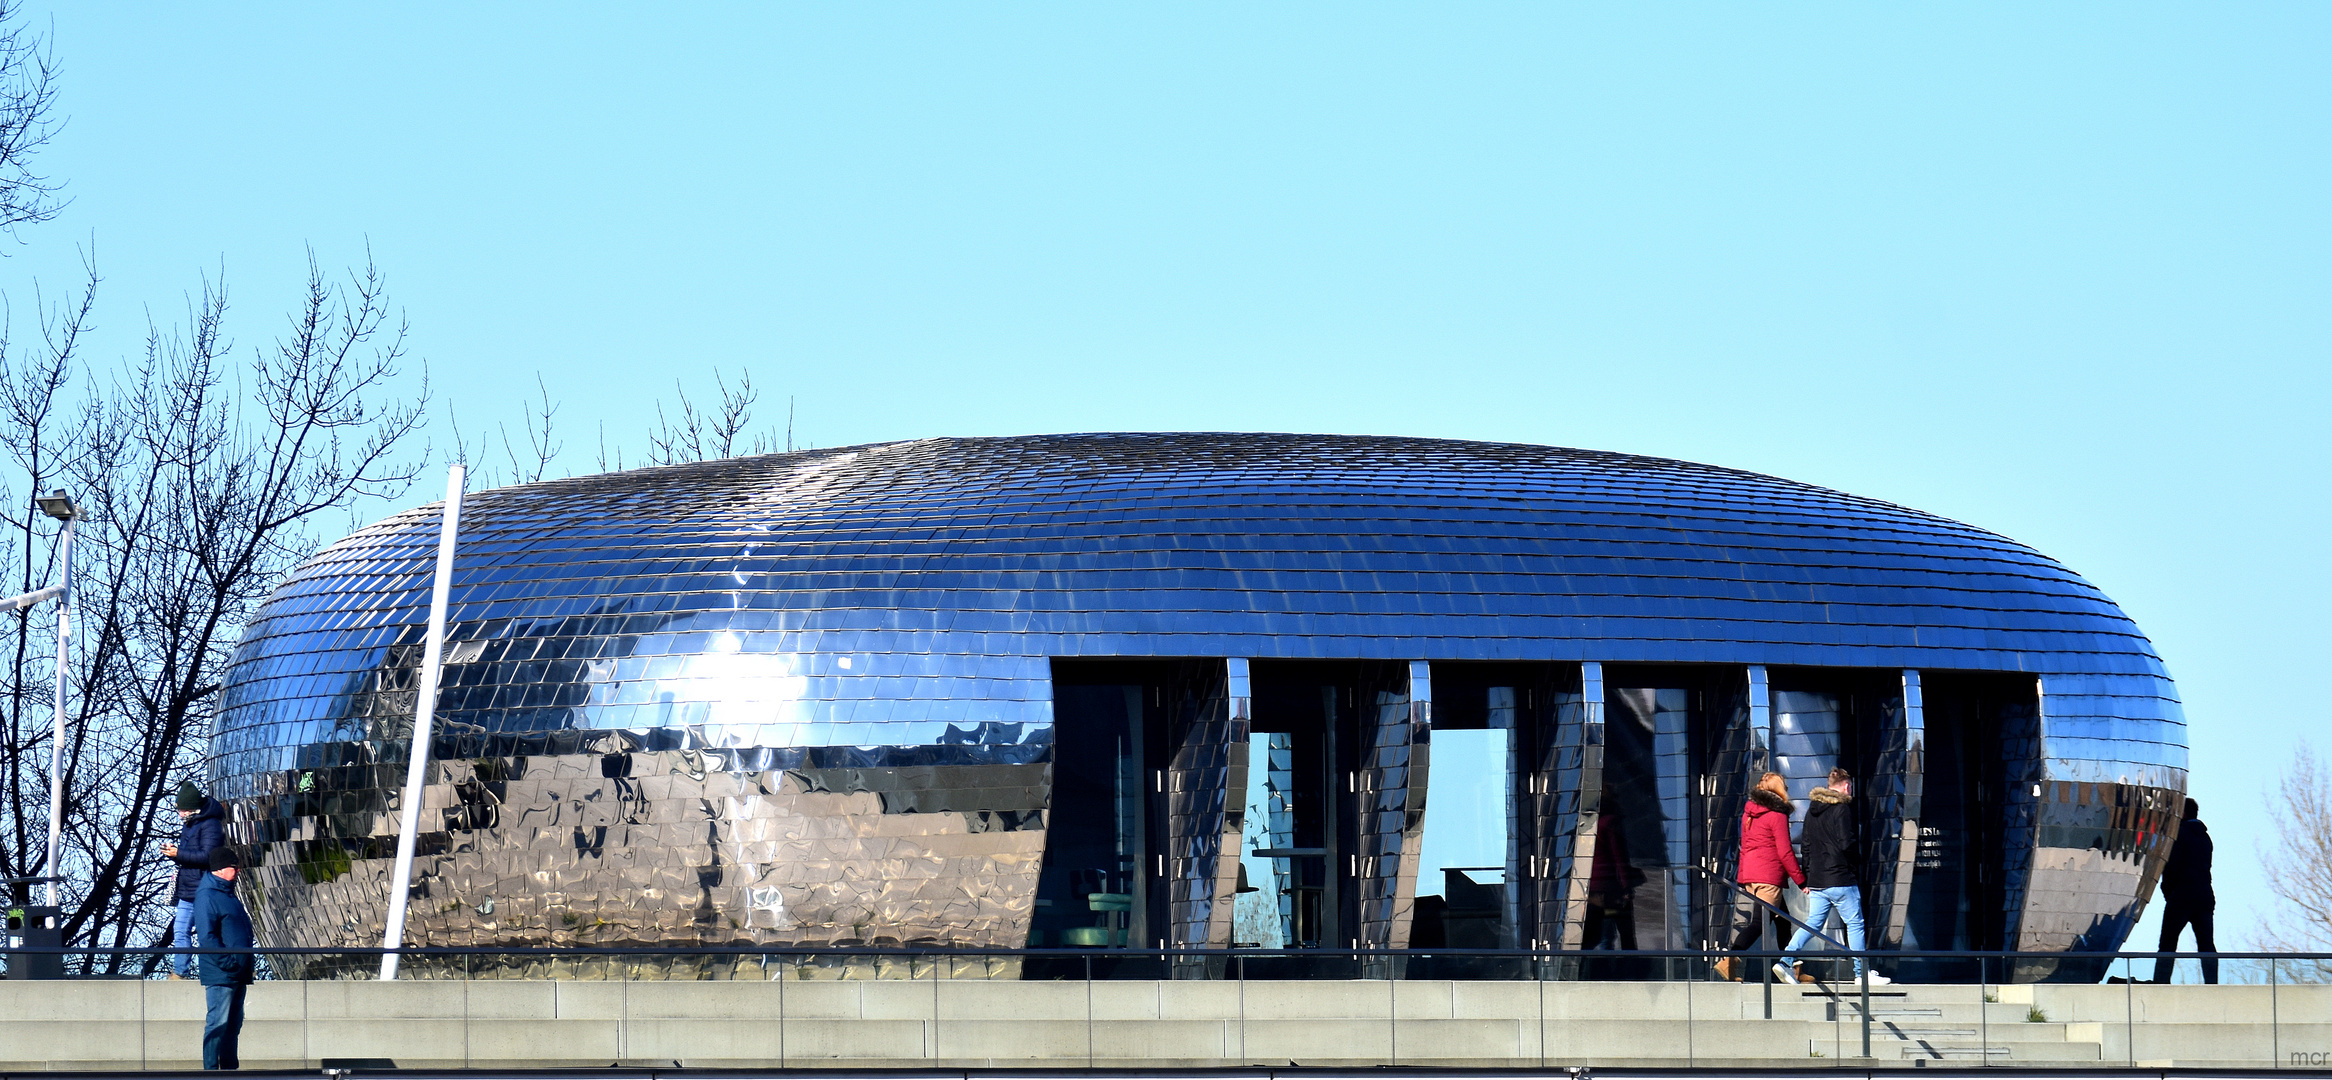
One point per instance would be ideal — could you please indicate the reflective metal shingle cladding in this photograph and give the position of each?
(808, 696)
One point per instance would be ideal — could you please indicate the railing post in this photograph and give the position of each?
(1864, 963)
(1392, 1015)
(1242, 962)
(1691, 1026)
(1765, 961)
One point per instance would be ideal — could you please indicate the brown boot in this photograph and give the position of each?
(1728, 969)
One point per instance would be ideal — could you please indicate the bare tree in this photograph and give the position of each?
(45, 436)
(28, 101)
(2298, 863)
(201, 483)
(204, 484)
(709, 434)
(536, 428)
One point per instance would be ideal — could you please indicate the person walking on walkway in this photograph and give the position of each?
(226, 976)
(2187, 897)
(1611, 883)
(1766, 859)
(1833, 883)
(196, 839)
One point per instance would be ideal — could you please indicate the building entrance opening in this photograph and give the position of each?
(1323, 845)
(1143, 753)
(1094, 888)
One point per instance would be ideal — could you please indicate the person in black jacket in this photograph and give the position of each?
(226, 976)
(200, 835)
(2187, 896)
(1832, 881)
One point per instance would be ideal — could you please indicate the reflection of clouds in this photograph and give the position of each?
(740, 689)
(723, 687)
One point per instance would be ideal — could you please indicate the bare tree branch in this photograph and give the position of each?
(705, 435)
(200, 495)
(28, 120)
(2298, 863)
(540, 446)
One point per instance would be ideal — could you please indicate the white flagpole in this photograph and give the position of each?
(424, 713)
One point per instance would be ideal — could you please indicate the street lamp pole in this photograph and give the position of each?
(60, 506)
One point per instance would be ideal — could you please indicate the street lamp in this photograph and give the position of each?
(60, 506)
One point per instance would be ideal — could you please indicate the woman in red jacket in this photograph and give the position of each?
(1765, 858)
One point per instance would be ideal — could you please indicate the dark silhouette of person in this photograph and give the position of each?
(1611, 884)
(2187, 896)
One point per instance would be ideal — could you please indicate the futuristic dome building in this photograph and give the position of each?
(1189, 689)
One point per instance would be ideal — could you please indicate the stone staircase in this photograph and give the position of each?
(1954, 1024)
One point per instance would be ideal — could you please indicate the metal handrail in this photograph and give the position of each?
(974, 950)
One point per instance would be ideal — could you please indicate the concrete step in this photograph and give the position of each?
(1998, 1036)
(1848, 1010)
(1999, 1052)
(1932, 1040)
(1947, 1053)
(1959, 1013)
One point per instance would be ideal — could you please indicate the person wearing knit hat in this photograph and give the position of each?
(200, 835)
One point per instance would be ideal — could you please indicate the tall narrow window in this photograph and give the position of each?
(1462, 874)
(1265, 910)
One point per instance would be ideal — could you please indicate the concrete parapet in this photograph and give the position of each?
(870, 1023)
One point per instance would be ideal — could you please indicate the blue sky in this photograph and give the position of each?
(2060, 272)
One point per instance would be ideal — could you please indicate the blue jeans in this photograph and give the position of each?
(182, 937)
(222, 1025)
(1846, 900)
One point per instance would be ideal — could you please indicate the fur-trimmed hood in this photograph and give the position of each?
(1766, 858)
(1830, 795)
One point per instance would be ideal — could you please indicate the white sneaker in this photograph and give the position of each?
(1877, 979)
(1784, 972)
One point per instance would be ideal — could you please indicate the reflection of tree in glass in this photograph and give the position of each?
(1262, 917)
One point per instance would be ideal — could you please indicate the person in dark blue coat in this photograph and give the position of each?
(197, 838)
(2187, 897)
(226, 976)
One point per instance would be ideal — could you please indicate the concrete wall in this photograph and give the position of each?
(2163, 1025)
(969, 1023)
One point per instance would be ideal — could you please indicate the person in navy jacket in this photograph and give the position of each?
(226, 976)
(197, 838)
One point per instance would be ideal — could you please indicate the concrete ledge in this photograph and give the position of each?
(866, 1023)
